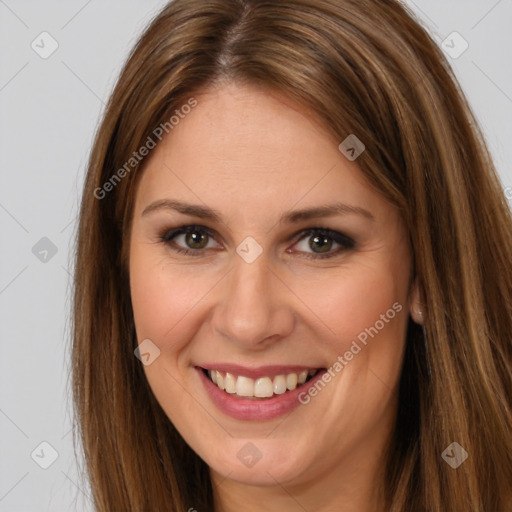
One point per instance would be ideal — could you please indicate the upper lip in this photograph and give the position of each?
(257, 372)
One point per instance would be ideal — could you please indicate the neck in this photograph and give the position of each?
(232, 496)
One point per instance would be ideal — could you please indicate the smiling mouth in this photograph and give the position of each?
(240, 386)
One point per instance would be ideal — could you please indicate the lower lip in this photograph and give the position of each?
(254, 410)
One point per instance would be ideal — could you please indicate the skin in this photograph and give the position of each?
(252, 156)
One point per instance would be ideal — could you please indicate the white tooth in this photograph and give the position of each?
(291, 381)
(244, 386)
(220, 379)
(302, 377)
(312, 373)
(279, 384)
(263, 387)
(213, 376)
(229, 383)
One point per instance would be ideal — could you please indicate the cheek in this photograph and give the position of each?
(164, 297)
(357, 303)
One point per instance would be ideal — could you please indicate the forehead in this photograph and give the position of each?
(242, 148)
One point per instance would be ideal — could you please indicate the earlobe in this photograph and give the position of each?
(416, 308)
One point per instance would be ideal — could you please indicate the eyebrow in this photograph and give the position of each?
(291, 217)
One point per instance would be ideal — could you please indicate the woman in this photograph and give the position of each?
(293, 287)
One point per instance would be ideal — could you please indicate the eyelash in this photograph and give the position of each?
(341, 239)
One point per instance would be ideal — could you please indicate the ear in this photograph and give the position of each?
(416, 307)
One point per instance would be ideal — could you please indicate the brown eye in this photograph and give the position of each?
(189, 240)
(323, 243)
(196, 240)
(320, 243)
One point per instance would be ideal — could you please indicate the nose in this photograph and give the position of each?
(255, 307)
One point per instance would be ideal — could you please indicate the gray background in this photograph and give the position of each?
(50, 109)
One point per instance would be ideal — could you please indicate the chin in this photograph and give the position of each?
(261, 462)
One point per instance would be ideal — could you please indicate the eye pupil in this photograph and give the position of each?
(323, 243)
(196, 240)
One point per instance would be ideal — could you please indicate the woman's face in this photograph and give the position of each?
(293, 263)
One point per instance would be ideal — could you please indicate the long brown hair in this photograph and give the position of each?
(364, 67)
